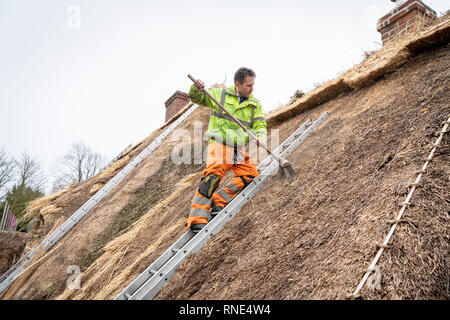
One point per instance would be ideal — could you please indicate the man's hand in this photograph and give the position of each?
(199, 85)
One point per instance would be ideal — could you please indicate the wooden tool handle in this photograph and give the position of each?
(236, 120)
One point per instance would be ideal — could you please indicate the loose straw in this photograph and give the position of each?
(404, 205)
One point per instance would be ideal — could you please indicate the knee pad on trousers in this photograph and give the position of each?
(209, 185)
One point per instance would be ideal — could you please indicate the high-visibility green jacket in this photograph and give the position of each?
(221, 127)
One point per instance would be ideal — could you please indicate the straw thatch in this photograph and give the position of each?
(106, 174)
(146, 186)
(313, 237)
(106, 272)
(308, 237)
(35, 206)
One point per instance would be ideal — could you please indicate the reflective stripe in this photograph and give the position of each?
(222, 99)
(199, 213)
(259, 119)
(221, 114)
(203, 103)
(252, 116)
(227, 117)
(234, 188)
(225, 195)
(201, 200)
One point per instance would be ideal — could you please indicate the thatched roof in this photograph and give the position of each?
(308, 237)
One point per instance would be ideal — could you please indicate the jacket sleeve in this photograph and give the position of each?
(202, 99)
(260, 125)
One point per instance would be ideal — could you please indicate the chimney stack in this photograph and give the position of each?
(407, 16)
(175, 103)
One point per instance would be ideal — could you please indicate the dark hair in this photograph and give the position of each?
(240, 75)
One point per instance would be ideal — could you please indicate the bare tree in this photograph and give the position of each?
(29, 184)
(30, 173)
(7, 166)
(78, 165)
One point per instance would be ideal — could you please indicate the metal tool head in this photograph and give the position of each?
(286, 168)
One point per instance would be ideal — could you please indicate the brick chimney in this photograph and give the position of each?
(407, 16)
(175, 103)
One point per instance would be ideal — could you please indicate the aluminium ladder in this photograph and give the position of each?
(17, 269)
(148, 284)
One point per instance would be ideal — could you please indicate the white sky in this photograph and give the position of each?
(104, 81)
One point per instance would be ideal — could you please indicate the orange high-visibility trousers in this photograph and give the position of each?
(221, 159)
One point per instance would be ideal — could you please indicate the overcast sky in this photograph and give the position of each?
(99, 71)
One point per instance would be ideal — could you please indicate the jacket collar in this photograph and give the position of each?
(232, 91)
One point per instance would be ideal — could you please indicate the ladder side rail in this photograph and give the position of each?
(99, 195)
(17, 269)
(152, 287)
(284, 145)
(303, 137)
(155, 266)
(88, 205)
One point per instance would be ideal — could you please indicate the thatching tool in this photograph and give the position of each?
(286, 167)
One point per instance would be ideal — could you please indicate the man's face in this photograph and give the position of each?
(245, 89)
